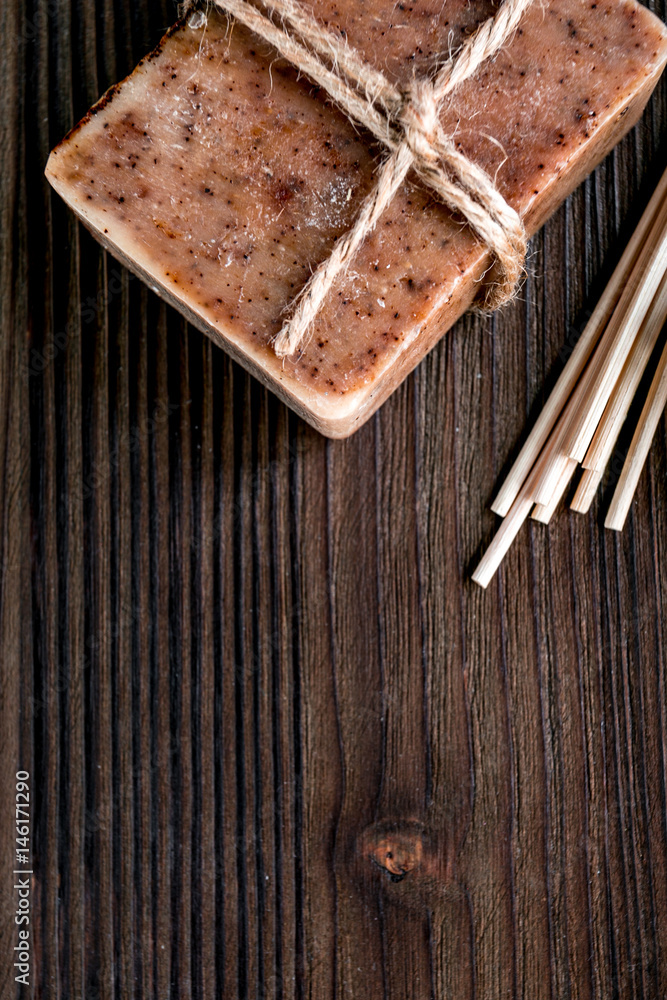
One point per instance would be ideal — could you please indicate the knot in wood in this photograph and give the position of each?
(397, 848)
(413, 863)
(418, 118)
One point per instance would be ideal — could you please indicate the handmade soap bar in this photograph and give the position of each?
(224, 178)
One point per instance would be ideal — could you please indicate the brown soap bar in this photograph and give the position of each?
(223, 178)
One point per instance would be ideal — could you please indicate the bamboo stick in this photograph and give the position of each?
(613, 418)
(587, 403)
(509, 529)
(619, 336)
(579, 357)
(605, 437)
(586, 490)
(590, 401)
(639, 447)
(544, 512)
(517, 514)
(558, 458)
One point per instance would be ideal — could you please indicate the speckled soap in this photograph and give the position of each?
(223, 179)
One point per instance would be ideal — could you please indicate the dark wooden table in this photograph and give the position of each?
(243, 664)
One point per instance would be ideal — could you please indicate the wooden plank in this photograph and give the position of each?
(351, 529)
(205, 862)
(122, 661)
(53, 679)
(181, 544)
(79, 651)
(97, 483)
(143, 697)
(162, 761)
(232, 931)
(318, 769)
(251, 663)
(450, 796)
(17, 720)
(487, 861)
(284, 702)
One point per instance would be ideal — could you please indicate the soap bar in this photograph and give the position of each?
(224, 178)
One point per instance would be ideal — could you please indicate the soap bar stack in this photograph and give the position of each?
(224, 178)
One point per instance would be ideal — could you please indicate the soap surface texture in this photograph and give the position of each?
(224, 178)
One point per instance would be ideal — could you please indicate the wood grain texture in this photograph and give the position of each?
(244, 664)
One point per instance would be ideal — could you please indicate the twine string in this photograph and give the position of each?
(407, 122)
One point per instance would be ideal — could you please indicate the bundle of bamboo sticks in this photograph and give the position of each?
(587, 408)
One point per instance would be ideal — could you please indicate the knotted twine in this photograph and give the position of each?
(406, 120)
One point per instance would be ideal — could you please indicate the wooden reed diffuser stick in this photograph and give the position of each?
(613, 418)
(639, 447)
(619, 336)
(590, 397)
(579, 357)
(586, 410)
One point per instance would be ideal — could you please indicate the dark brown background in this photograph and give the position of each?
(230, 647)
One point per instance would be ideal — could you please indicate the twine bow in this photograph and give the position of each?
(407, 122)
